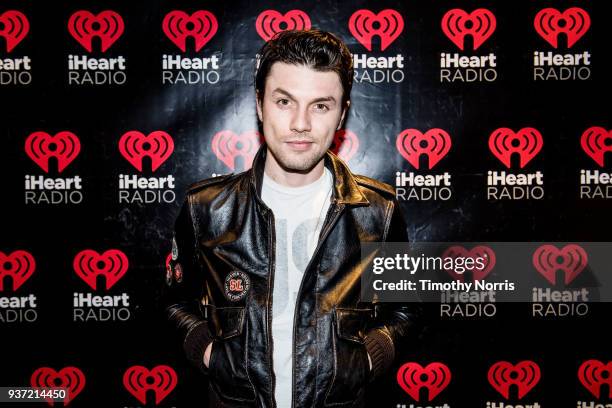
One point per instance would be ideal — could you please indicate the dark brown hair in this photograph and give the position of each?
(319, 50)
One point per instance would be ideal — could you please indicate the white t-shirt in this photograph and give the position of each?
(299, 214)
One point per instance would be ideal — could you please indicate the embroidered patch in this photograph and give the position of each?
(237, 285)
(174, 249)
(178, 272)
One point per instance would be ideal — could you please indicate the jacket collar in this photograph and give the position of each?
(346, 190)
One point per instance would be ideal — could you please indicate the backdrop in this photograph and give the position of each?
(491, 119)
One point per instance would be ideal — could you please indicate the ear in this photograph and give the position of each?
(344, 112)
(258, 106)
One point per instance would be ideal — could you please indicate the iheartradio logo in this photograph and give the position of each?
(571, 260)
(107, 26)
(345, 144)
(480, 24)
(228, 146)
(593, 374)
(160, 379)
(201, 26)
(479, 251)
(70, 378)
(19, 265)
(524, 375)
(573, 22)
(435, 377)
(14, 27)
(434, 143)
(364, 25)
(112, 264)
(41, 146)
(595, 142)
(135, 146)
(527, 143)
(271, 22)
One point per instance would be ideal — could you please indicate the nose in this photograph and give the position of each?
(300, 122)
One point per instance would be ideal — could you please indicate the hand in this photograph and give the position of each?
(207, 354)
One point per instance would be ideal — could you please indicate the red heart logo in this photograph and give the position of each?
(480, 24)
(479, 251)
(571, 259)
(112, 264)
(550, 22)
(345, 144)
(596, 141)
(527, 143)
(15, 27)
(134, 146)
(227, 146)
(41, 146)
(525, 375)
(68, 377)
(435, 144)
(435, 377)
(161, 379)
(593, 374)
(364, 25)
(19, 265)
(271, 22)
(84, 26)
(201, 26)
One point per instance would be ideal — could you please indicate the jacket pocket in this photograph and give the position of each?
(228, 322)
(351, 365)
(228, 365)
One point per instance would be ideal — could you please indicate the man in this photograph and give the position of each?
(266, 264)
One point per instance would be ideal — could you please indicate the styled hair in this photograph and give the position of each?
(316, 49)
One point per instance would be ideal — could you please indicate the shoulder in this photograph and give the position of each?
(208, 190)
(372, 186)
(209, 182)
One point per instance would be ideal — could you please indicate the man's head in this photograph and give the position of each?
(303, 86)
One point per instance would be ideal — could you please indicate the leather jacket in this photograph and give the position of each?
(224, 229)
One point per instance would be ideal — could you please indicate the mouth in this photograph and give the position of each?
(299, 144)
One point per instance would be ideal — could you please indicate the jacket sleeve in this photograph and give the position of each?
(185, 282)
(396, 325)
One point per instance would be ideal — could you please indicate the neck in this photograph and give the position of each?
(292, 178)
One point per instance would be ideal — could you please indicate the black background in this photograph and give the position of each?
(99, 115)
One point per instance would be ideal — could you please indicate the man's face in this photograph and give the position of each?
(300, 111)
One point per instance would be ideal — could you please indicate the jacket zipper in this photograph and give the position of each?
(272, 257)
(335, 210)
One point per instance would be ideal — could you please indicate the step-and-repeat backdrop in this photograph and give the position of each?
(491, 119)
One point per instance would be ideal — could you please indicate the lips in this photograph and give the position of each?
(299, 144)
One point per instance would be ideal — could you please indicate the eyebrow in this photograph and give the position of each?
(322, 99)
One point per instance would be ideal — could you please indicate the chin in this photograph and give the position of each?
(299, 165)
(302, 163)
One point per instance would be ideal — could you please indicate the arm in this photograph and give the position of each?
(185, 290)
(395, 323)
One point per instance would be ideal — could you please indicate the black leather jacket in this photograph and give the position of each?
(224, 228)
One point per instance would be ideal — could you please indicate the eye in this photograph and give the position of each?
(283, 102)
(321, 107)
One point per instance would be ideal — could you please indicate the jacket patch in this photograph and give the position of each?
(237, 285)
(174, 249)
(178, 272)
